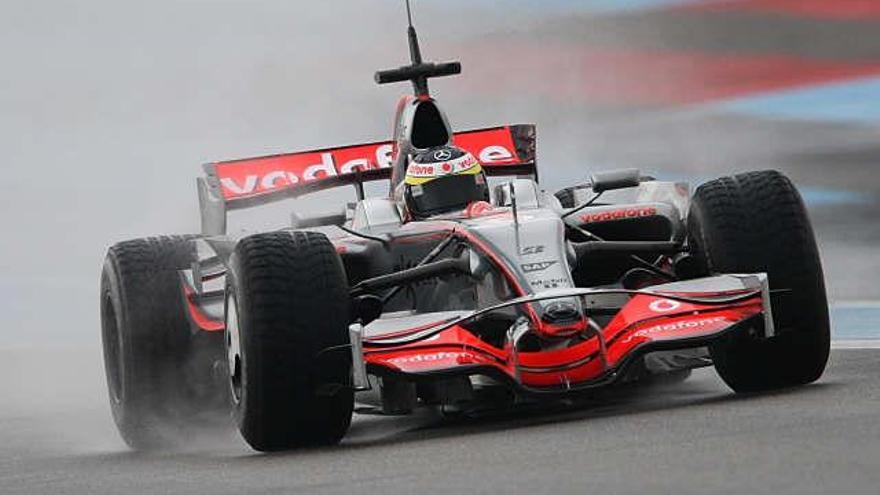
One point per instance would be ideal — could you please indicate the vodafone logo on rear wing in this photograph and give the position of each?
(496, 148)
(261, 175)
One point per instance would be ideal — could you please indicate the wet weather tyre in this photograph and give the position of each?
(756, 222)
(287, 341)
(148, 345)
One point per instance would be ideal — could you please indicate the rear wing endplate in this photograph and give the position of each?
(236, 184)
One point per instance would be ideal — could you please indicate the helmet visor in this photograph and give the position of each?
(453, 192)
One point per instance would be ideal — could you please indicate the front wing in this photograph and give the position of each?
(678, 315)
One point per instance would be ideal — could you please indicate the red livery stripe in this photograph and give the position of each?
(634, 77)
(830, 9)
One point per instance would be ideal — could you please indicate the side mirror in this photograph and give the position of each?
(302, 222)
(477, 265)
(522, 191)
(615, 179)
(501, 195)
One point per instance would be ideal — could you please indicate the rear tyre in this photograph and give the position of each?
(287, 341)
(155, 399)
(756, 222)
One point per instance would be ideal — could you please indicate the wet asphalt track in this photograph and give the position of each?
(125, 115)
(696, 437)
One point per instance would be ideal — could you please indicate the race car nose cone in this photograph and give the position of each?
(561, 319)
(560, 312)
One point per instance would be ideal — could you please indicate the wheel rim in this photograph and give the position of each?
(233, 348)
(113, 350)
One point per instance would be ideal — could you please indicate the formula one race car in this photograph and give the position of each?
(480, 292)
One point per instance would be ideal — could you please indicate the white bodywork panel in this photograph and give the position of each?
(376, 215)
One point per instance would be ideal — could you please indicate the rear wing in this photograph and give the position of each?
(236, 184)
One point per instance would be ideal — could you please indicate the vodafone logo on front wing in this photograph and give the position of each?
(695, 324)
(432, 357)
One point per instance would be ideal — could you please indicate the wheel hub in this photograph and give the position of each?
(233, 348)
(112, 350)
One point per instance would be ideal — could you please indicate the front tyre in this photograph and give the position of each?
(149, 349)
(287, 341)
(756, 222)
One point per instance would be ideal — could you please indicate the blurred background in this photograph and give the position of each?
(108, 108)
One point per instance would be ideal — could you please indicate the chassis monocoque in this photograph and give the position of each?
(531, 297)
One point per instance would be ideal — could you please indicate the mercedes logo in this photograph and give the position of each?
(442, 155)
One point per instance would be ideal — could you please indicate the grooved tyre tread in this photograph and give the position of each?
(292, 301)
(147, 341)
(756, 222)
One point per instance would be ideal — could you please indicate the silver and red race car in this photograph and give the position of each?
(531, 297)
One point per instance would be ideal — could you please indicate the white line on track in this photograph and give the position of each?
(856, 304)
(855, 344)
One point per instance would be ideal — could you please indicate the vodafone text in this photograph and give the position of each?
(327, 167)
(702, 323)
(310, 166)
(618, 214)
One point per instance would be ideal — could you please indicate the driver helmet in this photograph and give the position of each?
(443, 179)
